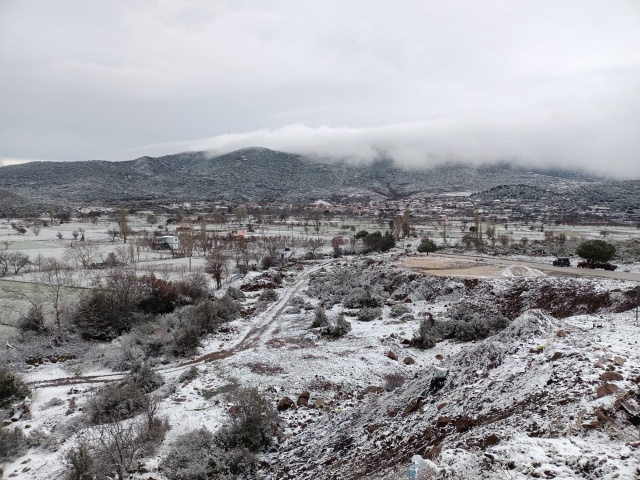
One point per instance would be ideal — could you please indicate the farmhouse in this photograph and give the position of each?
(166, 241)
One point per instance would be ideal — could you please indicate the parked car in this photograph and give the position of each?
(561, 262)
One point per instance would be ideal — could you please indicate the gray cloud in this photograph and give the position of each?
(542, 83)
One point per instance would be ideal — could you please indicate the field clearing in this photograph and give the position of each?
(15, 297)
(453, 267)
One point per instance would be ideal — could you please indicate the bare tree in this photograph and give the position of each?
(241, 214)
(57, 276)
(406, 223)
(6, 244)
(187, 242)
(4, 264)
(113, 233)
(83, 253)
(314, 244)
(316, 221)
(116, 446)
(203, 234)
(216, 265)
(35, 228)
(18, 261)
(123, 224)
(273, 244)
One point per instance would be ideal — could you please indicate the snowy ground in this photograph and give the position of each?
(530, 386)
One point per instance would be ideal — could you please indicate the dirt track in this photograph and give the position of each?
(258, 333)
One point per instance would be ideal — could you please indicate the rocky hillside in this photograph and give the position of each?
(258, 174)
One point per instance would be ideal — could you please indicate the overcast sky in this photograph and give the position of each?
(541, 82)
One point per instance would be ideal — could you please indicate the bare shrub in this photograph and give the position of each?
(116, 446)
(78, 463)
(54, 402)
(202, 455)
(399, 309)
(116, 402)
(339, 327)
(269, 295)
(187, 340)
(39, 438)
(235, 293)
(34, 320)
(250, 425)
(12, 443)
(367, 314)
(11, 386)
(194, 287)
(192, 456)
(145, 377)
(188, 374)
(424, 336)
(320, 318)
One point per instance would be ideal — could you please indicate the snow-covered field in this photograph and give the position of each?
(543, 398)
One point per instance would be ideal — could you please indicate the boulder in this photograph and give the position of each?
(392, 355)
(490, 440)
(555, 356)
(303, 399)
(606, 389)
(285, 404)
(373, 427)
(443, 422)
(611, 377)
(463, 424)
(409, 361)
(413, 406)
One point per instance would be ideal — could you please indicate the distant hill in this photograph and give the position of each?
(259, 174)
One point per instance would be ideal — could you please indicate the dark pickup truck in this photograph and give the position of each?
(561, 262)
(603, 265)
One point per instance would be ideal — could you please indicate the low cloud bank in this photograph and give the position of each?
(606, 147)
(598, 138)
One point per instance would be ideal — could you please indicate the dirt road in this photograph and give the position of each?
(262, 325)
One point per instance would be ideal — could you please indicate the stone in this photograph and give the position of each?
(555, 356)
(434, 452)
(392, 355)
(319, 402)
(561, 334)
(491, 440)
(373, 427)
(441, 406)
(409, 361)
(611, 377)
(619, 361)
(413, 406)
(429, 432)
(303, 399)
(606, 389)
(443, 422)
(593, 425)
(285, 404)
(463, 424)
(372, 389)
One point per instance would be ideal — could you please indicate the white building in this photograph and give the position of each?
(167, 241)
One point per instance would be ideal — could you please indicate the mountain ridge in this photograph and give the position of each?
(258, 174)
